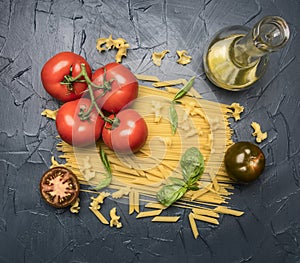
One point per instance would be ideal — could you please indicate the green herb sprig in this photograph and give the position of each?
(192, 166)
(108, 176)
(172, 110)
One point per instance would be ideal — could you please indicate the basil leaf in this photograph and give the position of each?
(105, 161)
(173, 117)
(170, 193)
(108, 176)
(104, 183)
(177, 181)
(192, 187)
(186, 88)
(192, 165)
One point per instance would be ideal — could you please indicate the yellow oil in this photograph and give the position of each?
(223, 69)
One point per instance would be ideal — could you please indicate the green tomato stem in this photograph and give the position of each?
(105, 87)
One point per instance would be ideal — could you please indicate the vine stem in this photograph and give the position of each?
(105, 87)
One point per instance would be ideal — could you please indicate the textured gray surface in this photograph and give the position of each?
(30, 231)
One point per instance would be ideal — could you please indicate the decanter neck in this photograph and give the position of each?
(270, 34)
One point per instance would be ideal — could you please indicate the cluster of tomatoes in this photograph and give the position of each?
(94, 104)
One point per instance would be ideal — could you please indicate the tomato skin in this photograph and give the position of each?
(131, 134)
(124, 87)
(244, 162)
(56, 68)
(75, 131)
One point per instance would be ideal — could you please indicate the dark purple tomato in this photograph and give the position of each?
(244, 162)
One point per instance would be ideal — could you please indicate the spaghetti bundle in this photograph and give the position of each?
(201, 123)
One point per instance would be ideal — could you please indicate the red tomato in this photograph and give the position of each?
(123, 87)
(75, 131)
(54, 72)
(129, 136)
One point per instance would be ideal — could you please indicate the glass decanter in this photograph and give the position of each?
(237, 56)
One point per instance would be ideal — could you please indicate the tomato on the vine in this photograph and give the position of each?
(120, 87)
(57, 75)
(130, 133)
(76, 125)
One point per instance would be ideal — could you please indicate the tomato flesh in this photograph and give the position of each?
(61, 65)
(244, 162)
(75, 131)
(123, 87)
(129, 136)
(59, 187)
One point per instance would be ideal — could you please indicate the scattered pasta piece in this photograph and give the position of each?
(193, 110)
(205, 212)
(183, 57)
(114, 221)
(109, 43)
(237, 110)
(155, 206)
(193, 225)
(96, 201)
(131, 204)
(95, 206)
(101, 218)
(75, 207)
(122, 52)
(120, 193)
(260, 136)
(134, 202)
(120, 44)
(166, 219)
(156, 108)
(149, 213)
(54, 163)
(227, 211)
(206, 219)
(51, 114)
(158, 56)
(168, 83)
(214, 181)
(87, 170)
(147, 77)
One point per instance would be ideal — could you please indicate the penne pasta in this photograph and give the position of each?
(205, 212)
(149, 213)
(147, 77)
(165, 219)
(193, 225)
(206, 219)
(101, 218)
(227, 211)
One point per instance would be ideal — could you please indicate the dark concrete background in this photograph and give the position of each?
(30, 231)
